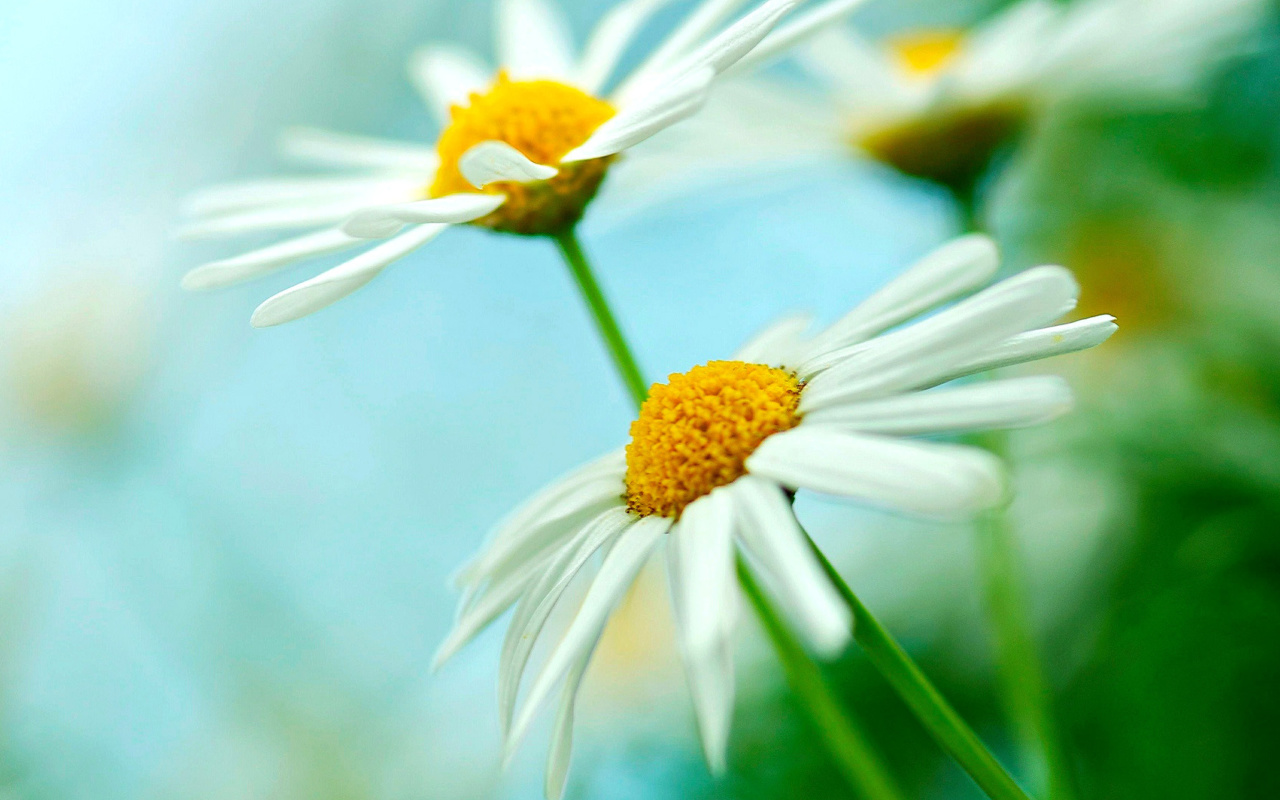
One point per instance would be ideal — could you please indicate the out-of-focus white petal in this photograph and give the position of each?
(678, 44)
(561, 751)
(725, 49)
(243, 195)
(1035, 345)
(776, 344)
(228, 271)
(860, 71)
(379, 222)
(533, 39)
(796, 31)
(332, 285)
(938, 480)
(273, 218)
(327, 148)
(446, 75)
(1009, 403)
(493, 161)
(636, 122)
(610, 39)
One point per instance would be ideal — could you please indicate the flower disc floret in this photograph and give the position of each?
(544, 120)
(695, 432)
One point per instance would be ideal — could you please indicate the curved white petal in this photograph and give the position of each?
(493, 161)
(273, 218)
(636, 122)
(677, 45)
(561, 750)
(317, 146)
(446, 75)
(956, 268)
(255, 263)
(533, 39)
(795, 32)
(776, 344)
(770, 532)
(610, 39)
(243, 195)
(379, 222)
(616, 575)
(1009, 403)
(489, 606)
(333, 285)
(1035, 345)
(924, 478)
(725, 49)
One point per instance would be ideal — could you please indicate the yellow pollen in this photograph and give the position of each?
(926, 52)
(695, 432)
(542, 119)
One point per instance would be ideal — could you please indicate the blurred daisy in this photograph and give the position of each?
(523, 152)
(716, 453)
(938, 104)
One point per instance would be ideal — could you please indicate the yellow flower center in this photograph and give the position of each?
(544, 120)
(695, 432)
(926, 52)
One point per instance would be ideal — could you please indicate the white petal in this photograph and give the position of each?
(858, 69)
(379, 222)
(1035, 345)
(610, 39)
(228, 271)
(697, 25)
(562, 731)
(345, 150)
(533, 39)
(725, 49)
(956, 268)
(333, 285)
(610, 585)
(915, 477)
(636, 122)
(446, 75)
(796, 31)
(768, 528)
(538, 603)
(1010, 403)
(283, 217)
(492, 161)
(776, 344)
(916, 355)
(242, 195)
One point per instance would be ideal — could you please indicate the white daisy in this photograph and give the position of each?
(522, 153)
(716, 452)
(938, 103)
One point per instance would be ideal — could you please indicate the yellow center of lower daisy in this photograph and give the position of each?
(544, 120)
(926, 52)
(695, 432)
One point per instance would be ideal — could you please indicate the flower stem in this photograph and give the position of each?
(610, 332)
(930, 707)
(846, 742)
(853, 754)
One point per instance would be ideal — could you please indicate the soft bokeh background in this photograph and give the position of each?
(224, 552)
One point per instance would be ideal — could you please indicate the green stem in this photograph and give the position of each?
(854, 755)
(610, 332)
(930, 707)
(847, 744)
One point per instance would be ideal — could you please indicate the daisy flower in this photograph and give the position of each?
(523, 148)
(717, 452)
(939, 103)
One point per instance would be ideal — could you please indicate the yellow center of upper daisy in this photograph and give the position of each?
(695, 432)
(926, 52)
(542, 119)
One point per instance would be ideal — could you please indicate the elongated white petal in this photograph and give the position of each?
(725, 49)
(488, 607)
(562, 731)
(916, 477)
(345, 150)
(616, 574)
(776, 344)
(610, 39)
(956, 268)
(255, 263)
(332, 285)
(860, 71)
(637, 122)
(677, 45)
(768, 528)
(243, 195)
(379, 222)
(538, 603)
(1010, 403)
(533, 39)
(916, 355)
(711, 685)
(446, 75)
(1035, 345)
(795, 32)
(492, 161)
(272, 218)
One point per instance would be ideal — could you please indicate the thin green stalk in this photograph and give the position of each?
(854, 755)
(610, 332)
(930, 707)
(847, 744)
